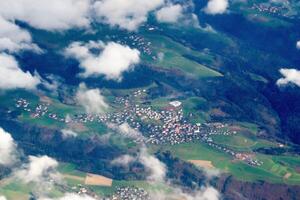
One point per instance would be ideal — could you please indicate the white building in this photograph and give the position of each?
(176, 104)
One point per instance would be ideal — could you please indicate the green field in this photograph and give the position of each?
(160, 103)
(148, 186)
(264, 18)
(17, 190)
(242, 142)
(238, 142)
(195, 109)
(9, 98)
(175, 57)
(272, 169)
(14, 190)
(73, 176)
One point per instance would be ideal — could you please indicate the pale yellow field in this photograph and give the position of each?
(287, 175)
(78, 178)
(94, 179)
(79, 127)
(45, 99)
(202, 163)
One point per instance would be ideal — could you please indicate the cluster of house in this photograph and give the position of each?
(160, 126)
(135, 41)
(120, 193)
(24, 104)
(248, 158)
(139, 93)
(140, 43)
(218, 128)
(164, 126)
(175, 129)
(147, 113)
(39, 111)
(81, 190)
(129, 193)
(266, 8)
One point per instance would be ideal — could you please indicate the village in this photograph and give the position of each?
(138, 42)
(121, 193)
(158, 127)
(271, 9)
(130, 193)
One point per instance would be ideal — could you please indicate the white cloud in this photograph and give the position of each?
(124, 160)
(8, 148)
(208, 193)
(155, 167)
(216, 7)
(91, 99)
(129, 14)
(12, 77)
(60, 15)
(38, 170)
(112, 61)
(71, 196)
(205, 193)
(67, 133)
(126, 131)
(289, 76)
(48, 15)
(170, 13)
(157, 174)
(14, 39)
(212, 173)
(298, 44)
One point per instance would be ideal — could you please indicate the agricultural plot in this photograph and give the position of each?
(274, 169)
(97, 180)
(202, 163)
(237, 142)
(101, 185)
(17, 190)
(172, 55)
(195, 109)
(9, 98)
(13, 190)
